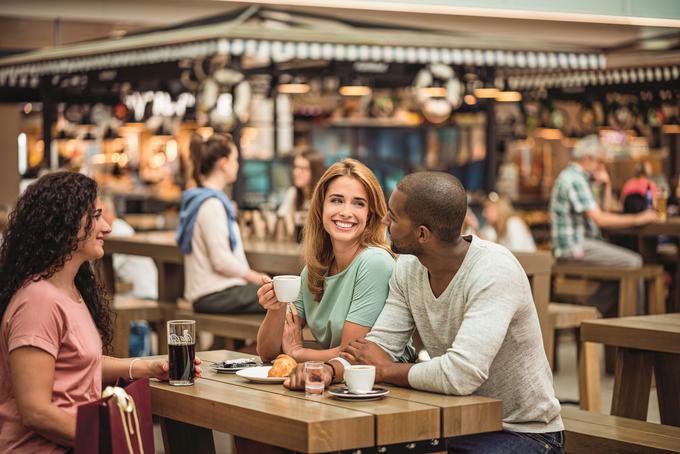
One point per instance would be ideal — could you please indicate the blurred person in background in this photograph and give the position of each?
(56, 322)
(639, 193)
(141, 272)
(218, 278)
(576, 219)
(504, 226)
(308, 166)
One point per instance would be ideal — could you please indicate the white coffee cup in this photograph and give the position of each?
(360, 378)
(286, 288)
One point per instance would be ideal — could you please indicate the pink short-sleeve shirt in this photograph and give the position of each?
(41, 316)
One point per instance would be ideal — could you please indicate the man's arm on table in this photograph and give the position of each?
(386, 341)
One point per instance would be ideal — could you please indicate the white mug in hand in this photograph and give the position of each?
(286, 288)
(360, 378)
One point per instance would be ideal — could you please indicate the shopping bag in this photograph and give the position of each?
(118, 423)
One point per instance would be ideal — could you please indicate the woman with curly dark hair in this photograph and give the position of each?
(56, 321)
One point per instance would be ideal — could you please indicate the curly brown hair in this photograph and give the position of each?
(42, 234)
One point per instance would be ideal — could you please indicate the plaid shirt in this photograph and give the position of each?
(571, 199)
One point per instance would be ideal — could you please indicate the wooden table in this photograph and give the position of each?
(405, 419)
(647, 237)
(266, 256)
(645, 343)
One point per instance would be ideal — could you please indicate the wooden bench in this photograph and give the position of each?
(229, 326)
(588, 432)
(628, 281)
(128, 309)
(567, 316)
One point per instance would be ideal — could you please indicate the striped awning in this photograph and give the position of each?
(24, 72)
(567, 79)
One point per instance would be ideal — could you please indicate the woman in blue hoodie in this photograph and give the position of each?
(218, 278)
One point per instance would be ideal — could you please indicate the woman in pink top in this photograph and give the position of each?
(634, 192)
(55, 321)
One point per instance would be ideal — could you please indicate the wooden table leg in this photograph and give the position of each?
(180, 437)
(121, 335)
(656, 297)
(674, 298)
(667, 372)
(589, 377)
(170, 281)
(628, 297)
(632, 383)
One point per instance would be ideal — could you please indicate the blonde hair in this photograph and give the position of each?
(318, 249)
(505, 211)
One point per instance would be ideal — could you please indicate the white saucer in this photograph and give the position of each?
(259, 375)
(343, 393)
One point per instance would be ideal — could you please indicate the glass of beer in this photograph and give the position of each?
(662, 204)
(181, 351)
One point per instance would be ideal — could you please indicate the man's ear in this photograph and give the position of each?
(424, 234)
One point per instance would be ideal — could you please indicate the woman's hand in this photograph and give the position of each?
(291, 343)
(158, 368)
(266, 296)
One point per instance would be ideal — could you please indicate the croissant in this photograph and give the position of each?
(282, 367)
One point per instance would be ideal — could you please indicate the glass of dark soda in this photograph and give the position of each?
(181, 351)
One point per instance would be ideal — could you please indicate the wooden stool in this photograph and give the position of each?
(567, 316)
(127, 310)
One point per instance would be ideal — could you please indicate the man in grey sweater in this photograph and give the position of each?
(471, 303)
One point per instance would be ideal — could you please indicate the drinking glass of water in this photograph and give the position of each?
(181, 351)
(314, 384)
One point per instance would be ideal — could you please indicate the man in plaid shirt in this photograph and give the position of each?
(576, 219)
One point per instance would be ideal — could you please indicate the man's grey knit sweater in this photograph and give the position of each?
(482, 333)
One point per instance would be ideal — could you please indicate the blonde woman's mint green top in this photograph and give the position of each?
(356, 295)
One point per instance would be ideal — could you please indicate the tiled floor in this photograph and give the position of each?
(566, 388)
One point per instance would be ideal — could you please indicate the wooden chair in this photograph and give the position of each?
(567, 316)
(588, 432)
(128, 309)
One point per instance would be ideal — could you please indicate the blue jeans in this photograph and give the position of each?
(506, 442)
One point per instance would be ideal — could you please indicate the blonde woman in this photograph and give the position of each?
(504, 227)
(349, 264)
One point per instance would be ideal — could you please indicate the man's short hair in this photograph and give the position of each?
(436, 200)
(589, 146)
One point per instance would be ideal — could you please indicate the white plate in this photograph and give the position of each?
(259, 375)
(343, 393)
